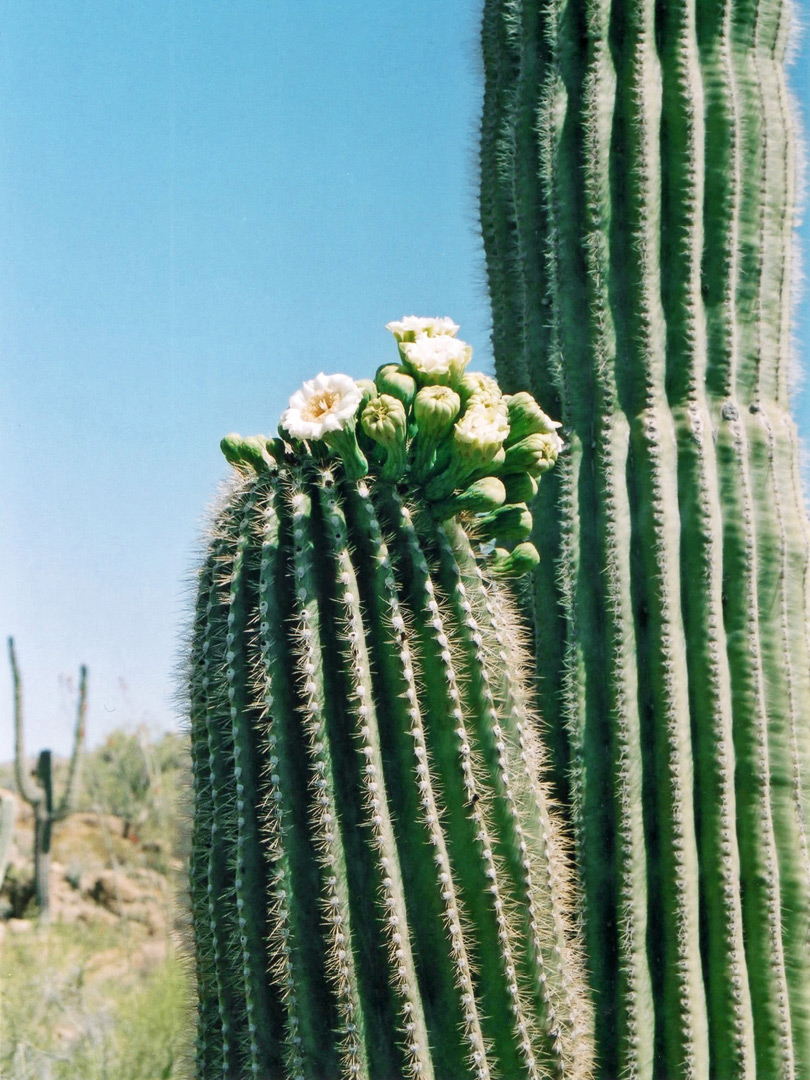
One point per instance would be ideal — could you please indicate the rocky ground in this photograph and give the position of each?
(98, 876)
(116, 932)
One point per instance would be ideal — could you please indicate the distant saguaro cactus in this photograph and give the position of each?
(637, 206)
(8, 809)
(39, 793)
(378, 885)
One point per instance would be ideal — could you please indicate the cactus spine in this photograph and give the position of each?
(379, 888)
(39, 793)
(637, 176)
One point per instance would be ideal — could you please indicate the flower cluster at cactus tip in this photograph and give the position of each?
(449, 432)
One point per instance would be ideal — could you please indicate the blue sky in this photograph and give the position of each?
(201, 204)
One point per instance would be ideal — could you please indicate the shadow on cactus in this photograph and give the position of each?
(379, 887)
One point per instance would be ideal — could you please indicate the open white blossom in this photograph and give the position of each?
(482, 429)
(439, 359)
(411, 327)
(323, 404)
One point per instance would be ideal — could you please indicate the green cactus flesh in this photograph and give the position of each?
(637, 173)
(379, 887)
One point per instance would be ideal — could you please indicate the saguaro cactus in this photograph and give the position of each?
(379, 888)
(39, 792)
(8, 809)
(637, 176)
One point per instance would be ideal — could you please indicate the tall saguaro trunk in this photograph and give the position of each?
(637, 202)
(37, 789)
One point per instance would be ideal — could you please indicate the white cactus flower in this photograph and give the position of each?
(482, 429)
(411, 327)
(324, 404)
(439, 359)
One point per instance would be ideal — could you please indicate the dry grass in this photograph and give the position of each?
(95, 1003)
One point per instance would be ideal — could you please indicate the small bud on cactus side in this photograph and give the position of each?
(506, 523)
(520, 487)
(254, 452)
(526, 418)
(521, 560)
(533, 455)
(482, 496)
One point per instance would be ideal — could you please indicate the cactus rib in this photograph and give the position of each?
(637, 204)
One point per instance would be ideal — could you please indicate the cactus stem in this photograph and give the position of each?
(515, 854)
(393, 916)
(208, 998)
(249, 877)
(285, 904)
(541, 862)
(406, 719)
(488, 904)
(218, 889)
(340, 964)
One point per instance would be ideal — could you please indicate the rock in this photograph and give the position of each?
(113, 891)
(20, 926)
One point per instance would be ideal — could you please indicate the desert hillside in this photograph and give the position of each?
(103, 988)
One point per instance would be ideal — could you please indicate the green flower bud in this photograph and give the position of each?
(435, 409)
(369, 388)
(514, 564)
(392, 380)
(535, 454)
(384, 420)
(527, 418)
(253, 452)
(512, 522)
(520, 487)
(476, 386)
(485, 494)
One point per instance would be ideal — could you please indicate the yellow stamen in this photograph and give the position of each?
(320, 405)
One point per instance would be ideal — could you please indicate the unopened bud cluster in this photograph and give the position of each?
(450, 433)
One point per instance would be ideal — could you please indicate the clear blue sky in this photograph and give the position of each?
(201, 204)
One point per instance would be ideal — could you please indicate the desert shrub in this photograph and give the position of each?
(140, 779)
(72, 1006)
